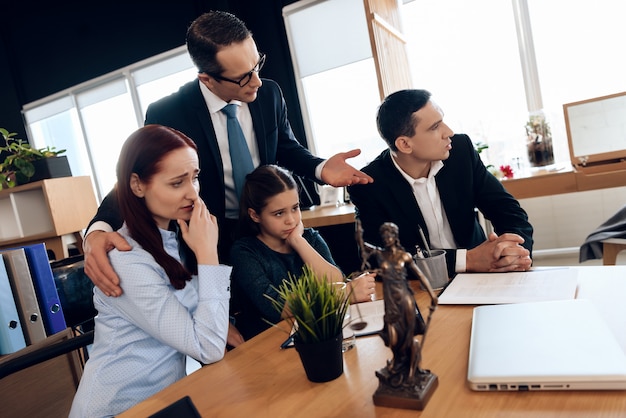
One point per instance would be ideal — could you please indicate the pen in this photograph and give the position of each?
(426, 247)
(287, 343)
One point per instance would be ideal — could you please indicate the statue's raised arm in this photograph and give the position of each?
(365, 248)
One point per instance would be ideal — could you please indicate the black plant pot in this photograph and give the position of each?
(50, 168)
(322, 361)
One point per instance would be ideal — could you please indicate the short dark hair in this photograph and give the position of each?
(208, 34)
(395, 114)
(263, 183)
(142, 154)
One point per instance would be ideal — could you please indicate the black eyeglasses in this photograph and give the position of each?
(246, 78)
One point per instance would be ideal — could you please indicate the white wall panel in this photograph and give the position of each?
(565, 220)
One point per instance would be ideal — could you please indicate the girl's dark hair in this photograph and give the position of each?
(142, 154)
(263, 183)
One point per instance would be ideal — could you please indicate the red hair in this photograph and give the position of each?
(142, 154)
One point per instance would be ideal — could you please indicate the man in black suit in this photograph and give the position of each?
(228, 62)
(431, 178)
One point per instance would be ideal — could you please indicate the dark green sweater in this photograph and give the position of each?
(256, 270)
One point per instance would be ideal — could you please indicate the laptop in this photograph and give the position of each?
(555, 345)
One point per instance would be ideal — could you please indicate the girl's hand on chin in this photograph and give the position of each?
(296, 233)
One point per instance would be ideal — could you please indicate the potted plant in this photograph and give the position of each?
(317, 310)
(23, 163)
(539, 141)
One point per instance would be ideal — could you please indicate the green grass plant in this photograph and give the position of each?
(318, 307)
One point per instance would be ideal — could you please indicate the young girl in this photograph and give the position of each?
(176, 295)
(275, 244)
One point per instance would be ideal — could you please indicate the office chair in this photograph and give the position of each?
(75, 292)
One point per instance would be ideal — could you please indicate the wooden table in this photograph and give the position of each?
(319, 216)
(258, 379)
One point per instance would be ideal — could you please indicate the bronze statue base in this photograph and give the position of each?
(402, 395)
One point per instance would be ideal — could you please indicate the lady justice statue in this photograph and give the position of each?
(402, 383)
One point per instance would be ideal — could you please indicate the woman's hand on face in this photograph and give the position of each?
(201, 234)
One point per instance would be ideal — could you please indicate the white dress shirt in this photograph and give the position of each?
(215, 104)
(142, 337)
(429, 201)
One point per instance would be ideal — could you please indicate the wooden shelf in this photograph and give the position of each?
(548, 183)
(542, 183)
(601, 180)
(53, 211)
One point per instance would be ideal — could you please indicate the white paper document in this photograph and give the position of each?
(542, 284)
(371, 312)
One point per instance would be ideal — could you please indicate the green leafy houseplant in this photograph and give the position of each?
(317, 307)
(17, 167)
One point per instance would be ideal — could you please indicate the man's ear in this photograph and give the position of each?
(253, 215)
(136, 185)
(403, 144)
(206, 79)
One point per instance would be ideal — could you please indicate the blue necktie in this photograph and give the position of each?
(240, 158)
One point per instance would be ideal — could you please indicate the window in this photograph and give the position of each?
(466, 55)
(108, 118)
(470, 57)
(336, 77)
(56, 124)
(156, 80)
(93, 120)
(578, 54)
(342, 105)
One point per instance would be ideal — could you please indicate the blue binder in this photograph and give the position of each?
(45, 288)
(11, 334)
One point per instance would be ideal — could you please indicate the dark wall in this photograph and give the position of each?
(46, 47)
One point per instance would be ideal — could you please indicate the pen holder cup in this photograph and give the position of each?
(434, 268)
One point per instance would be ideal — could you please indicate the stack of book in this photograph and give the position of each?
(30, 309)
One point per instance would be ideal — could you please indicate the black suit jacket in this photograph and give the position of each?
(463, 183)
(187, 112)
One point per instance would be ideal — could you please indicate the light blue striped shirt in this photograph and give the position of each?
(143, 337)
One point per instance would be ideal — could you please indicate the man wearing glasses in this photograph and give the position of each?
(228, 62)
